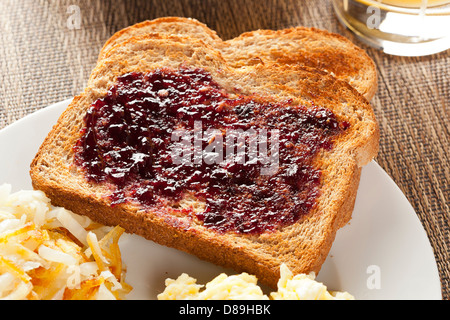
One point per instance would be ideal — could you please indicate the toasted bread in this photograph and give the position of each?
(303, 245)
(168, 26)
(310, 47)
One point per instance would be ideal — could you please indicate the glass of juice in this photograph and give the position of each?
(398, 27)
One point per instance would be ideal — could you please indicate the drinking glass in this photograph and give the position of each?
(398, 27)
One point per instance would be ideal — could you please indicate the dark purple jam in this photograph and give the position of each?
(128, 142)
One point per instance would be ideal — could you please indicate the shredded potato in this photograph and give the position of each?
(51, 253)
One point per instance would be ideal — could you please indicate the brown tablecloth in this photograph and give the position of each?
(44, 58)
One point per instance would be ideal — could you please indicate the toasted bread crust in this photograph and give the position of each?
(168, 26)
(304, 245)
(309, 47)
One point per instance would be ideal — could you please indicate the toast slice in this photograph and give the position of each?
(166, 26)
(310, 47)
(302, 244)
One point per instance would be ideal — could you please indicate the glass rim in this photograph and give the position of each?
(436, 9)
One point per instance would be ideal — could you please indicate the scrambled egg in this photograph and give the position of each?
(244, 287)
(304, 287)
(223, 287)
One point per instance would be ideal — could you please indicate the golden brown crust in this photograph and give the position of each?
(310, 47)
(304, 245)
(169, 26)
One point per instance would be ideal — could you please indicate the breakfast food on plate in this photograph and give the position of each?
(244, 287)
(144, 146)
(50, 253)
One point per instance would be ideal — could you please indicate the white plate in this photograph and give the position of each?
(384, 252)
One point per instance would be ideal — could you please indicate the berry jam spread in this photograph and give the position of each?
(131, 135)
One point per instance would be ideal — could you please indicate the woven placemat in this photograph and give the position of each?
(46, 57)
